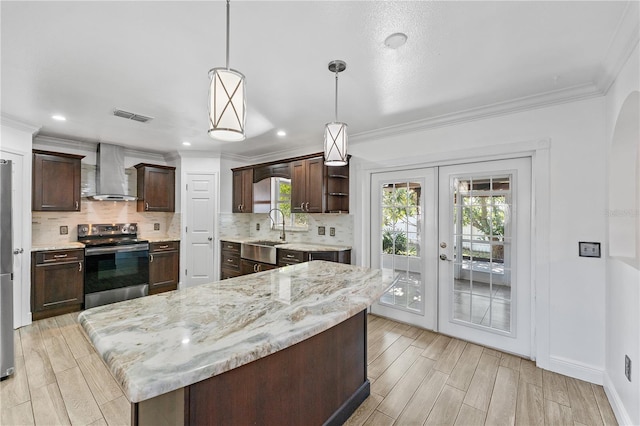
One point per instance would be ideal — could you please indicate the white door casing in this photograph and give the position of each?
(472, 301)
(200, 229)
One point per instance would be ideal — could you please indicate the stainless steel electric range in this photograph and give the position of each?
(116, 263)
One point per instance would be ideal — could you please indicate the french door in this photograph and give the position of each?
(404, 220)
(457, 241)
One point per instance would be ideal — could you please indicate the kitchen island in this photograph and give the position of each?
(286, 346)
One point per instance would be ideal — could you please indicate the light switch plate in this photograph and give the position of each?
(258, 226)
(588, 249)
(332, 231)
(156, 226)
(321, 230)
(64, 230)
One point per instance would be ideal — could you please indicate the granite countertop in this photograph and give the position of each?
(157, 344)
(299, 246)
(57, 246)
(160, 239)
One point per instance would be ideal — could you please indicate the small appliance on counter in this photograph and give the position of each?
(116, 263)
(7, 356)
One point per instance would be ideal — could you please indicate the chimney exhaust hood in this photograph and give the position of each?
(110, 175)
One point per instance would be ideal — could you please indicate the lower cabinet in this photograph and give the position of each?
(164, 266)
(229, 260)
(57, 282)
(251, 267)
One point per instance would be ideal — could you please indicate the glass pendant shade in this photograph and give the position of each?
(335, 144)
(227, 106)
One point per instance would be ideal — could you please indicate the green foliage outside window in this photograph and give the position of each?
(399, 204)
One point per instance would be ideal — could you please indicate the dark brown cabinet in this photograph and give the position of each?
(337, 189)
(307, 178)
(57, 282)
(242, 191)
(251, 266)
(164, 266)
(56, 181)
(156, 188)
(229, 260)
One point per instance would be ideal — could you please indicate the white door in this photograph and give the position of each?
(200, 229)
(403, 244)
(19, 256)
(485, 250)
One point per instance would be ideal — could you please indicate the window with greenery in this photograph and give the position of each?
(400, 217)
(281, 199)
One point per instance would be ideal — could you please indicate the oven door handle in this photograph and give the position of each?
(117, 249)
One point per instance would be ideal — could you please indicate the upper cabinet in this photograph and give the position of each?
(313, 187)
(156, 188)
(243, 191)
(307, 178)
(56, 181)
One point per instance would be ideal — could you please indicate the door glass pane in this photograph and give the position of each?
(401, 240)
(482, 240)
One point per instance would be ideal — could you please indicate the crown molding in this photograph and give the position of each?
(621, 46)
(541, 100)
(16, 123)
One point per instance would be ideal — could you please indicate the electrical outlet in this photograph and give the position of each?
(258, 226)
(332, 231)
(627, 367)
(64, 230)
(321, 230)
(156, 226)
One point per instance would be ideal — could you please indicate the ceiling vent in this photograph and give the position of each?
(131, 116)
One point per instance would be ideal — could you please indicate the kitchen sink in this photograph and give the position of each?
(260, 251)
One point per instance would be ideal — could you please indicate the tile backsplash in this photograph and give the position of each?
(243, 225)
(46, 225)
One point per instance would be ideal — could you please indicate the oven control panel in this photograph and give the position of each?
(107, 229)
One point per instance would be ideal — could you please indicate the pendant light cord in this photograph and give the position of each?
(227, 34)
(336, 120)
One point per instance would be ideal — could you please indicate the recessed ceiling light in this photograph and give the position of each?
(59, 117)
(281, 133)
(186, 143)
(395, 40)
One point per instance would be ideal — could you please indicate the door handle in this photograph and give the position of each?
(210, 238)
(444, 257)
(18, 251)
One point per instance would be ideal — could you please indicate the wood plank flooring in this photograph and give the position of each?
(418, 377)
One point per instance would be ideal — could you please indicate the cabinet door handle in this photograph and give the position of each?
(255, 267)
(146, 206)
(259, 268)
(77, 205)
(60, 256)
(307, 206)
(302, 206)
(150, 258)
(79, 266)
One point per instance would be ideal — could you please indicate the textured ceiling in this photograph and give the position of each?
(83, 59)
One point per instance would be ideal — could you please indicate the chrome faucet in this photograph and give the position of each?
(282, 234)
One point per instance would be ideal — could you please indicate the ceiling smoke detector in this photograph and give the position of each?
(131, 116)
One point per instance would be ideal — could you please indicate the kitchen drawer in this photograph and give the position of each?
(230, 247)
(290, 257)
(52, 256)
(230, 260)
(227, 273)
(164, 246)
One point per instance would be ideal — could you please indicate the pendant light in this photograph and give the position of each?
(335, 133)
(227, 105)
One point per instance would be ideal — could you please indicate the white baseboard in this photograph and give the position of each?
(577, 370)
(616, 403)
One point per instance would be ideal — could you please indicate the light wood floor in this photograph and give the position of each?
(418, 377)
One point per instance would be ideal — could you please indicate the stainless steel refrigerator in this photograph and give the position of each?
(6, 273)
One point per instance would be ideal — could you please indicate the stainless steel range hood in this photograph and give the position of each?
(110, 174)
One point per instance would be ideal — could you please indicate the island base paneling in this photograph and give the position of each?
(321, 380)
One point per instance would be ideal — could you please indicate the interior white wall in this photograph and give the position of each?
(623, 271)
(17, 139)
(573, 344)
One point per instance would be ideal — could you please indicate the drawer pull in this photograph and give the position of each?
(150, 258)
(230, 260)
(164, 246)
(230, 247)
(79, 266)
(290, 256)
(60, 256)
